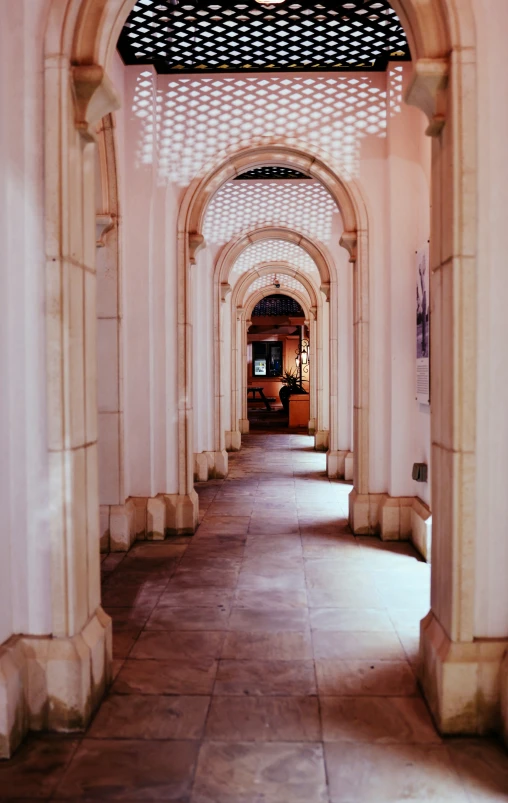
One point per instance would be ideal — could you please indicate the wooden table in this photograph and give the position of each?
(254, 390)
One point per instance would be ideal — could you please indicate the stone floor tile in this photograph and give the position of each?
(201, 597)
(281, 646)
(177, 676)
(368, 773)
(258, 677)
(235, 525)
(130, 770)
(178, 645)
(379, 720)
(122, 597)
(482, 765)
(143, 716)
(274, 620)
(193, 577)
(344, 597)
(372, 620)
(264, 719)
(157, 549)
(260, 773)
(198, 618)
(287, 581)
(384, 646)
(365, 678)
(36, 767)
(268, 599)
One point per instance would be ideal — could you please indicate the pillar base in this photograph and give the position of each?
(349, 464)
(461, 681)
(504, 698)
(321, 440)
(311, 427)
(243, 425)
(233, 441)
(182, 513)
(421, 528)
(210, 466)
(54, 684)
(118, 531)
(339, 465)
(395, 517)
(364, 512)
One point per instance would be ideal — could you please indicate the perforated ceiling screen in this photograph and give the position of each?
(270, 172)
(278, 305)
(180, 36)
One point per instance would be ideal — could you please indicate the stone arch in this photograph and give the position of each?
(352, 206)
(80, 39)
(238, 407)
(324, 262)
(317, 251)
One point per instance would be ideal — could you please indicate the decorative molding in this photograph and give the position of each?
(103, 225)
(225, 290)
(196, 243)
(349, 241)
(428, 90)
(325, 289)
(94, 97)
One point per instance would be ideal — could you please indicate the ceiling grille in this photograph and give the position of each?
(278, 305)
(204, 36)
(270, 172)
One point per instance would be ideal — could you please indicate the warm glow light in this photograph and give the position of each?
(269, 2)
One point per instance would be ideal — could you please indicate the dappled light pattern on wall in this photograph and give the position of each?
(265, 251)
(271, 279)
(198, 120)
(240, 206)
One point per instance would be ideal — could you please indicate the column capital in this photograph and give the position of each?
(349, 241)
(196, 243)
(428, 90)
(94, 97)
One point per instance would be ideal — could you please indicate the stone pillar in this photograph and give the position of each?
(461, 668)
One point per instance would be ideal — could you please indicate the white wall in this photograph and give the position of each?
(149, 247)
(25, 600)
(203, 351)
(408, 226)
(492, 382)
(109, 312)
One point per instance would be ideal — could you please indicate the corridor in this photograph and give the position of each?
(268, 659)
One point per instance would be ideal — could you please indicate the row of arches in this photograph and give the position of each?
(80, 41)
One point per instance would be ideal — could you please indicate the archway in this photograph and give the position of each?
(242, 303)
(228, 257)
(349, 200)
(79, 43)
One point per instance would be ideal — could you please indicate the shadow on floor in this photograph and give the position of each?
(270, 657)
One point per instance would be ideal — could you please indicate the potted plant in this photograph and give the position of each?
(291, 386)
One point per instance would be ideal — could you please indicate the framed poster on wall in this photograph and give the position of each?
(422, 326)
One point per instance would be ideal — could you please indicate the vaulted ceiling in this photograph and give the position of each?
(248, 35)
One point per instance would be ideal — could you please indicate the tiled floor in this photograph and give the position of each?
(268, 659)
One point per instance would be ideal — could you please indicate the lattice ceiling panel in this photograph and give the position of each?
(188, 35)
(277, 305)
(282, 251)
(271, 172)
(240, 206)
(280, 278)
